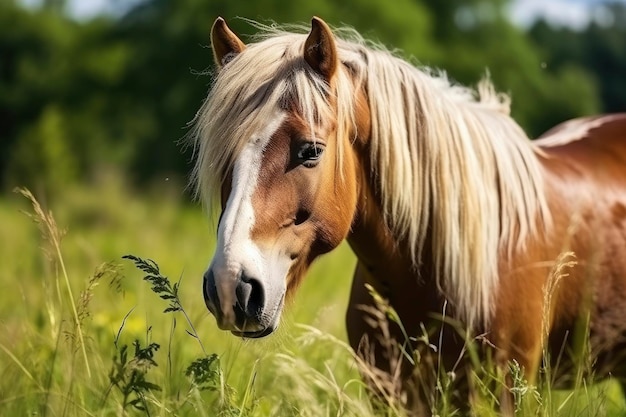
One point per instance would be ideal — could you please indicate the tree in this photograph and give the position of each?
(598, 51)
(119, 91)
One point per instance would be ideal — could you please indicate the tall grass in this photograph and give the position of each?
(85, 332)
(99, 343)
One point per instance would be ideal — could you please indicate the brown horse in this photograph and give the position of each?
(454, 215)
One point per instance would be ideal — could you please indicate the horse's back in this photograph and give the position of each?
(585, 166)
(588, 139)
(585, 161)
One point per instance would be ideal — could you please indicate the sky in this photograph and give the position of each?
(86, 9)
(572, 13)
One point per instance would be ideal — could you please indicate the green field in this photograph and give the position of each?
(78, 323)
(43, 368)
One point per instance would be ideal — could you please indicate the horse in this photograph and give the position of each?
(462, 225)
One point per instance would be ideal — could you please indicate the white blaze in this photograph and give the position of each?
(236, 252)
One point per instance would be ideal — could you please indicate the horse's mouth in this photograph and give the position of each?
(254, 334)
(267, 327)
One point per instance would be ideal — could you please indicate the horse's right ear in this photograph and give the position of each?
(226, 45)
(320, 51)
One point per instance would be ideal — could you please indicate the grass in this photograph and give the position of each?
(83, 334)
(86, 332)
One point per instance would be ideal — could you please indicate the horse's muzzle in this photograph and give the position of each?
(244, 317)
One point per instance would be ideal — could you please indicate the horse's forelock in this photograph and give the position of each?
(255, 84)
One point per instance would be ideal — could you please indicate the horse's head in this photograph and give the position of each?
(285, 167)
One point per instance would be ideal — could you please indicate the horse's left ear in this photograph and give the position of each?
(226, 45)
(320, 51)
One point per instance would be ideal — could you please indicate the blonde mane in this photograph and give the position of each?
(474, 176)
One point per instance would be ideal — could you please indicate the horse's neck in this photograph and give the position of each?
(385, 256)
(386, 265)
(370, 238)
(386, 259)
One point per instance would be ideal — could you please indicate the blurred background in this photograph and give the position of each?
(97, 86)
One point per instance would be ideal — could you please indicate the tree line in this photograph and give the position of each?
(117, 92)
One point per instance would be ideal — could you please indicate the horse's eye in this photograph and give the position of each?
(310, 154)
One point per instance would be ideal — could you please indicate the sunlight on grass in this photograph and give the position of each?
(86, 333)
(123, 321)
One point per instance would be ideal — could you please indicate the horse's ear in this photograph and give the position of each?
(226, 45)
(320, 51)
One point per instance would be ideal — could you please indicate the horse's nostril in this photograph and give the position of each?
(243, 292)
(211, 297)
(302, 216)
(250, 296)
(238, 307)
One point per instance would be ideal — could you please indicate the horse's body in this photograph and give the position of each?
(540, 288)
(452, 212)
(586, 176)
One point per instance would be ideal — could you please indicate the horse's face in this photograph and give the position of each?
(284, 202)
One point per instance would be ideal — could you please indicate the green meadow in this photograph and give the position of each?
(71, 303)
(83, 334)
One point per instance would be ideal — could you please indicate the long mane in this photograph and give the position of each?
(475, 184)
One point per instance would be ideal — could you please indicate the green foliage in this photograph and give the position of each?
(61, 112)
(204, 372)
(79, 97)
(44, 149)
(599, 51)
(161, 285)
(129, 376)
